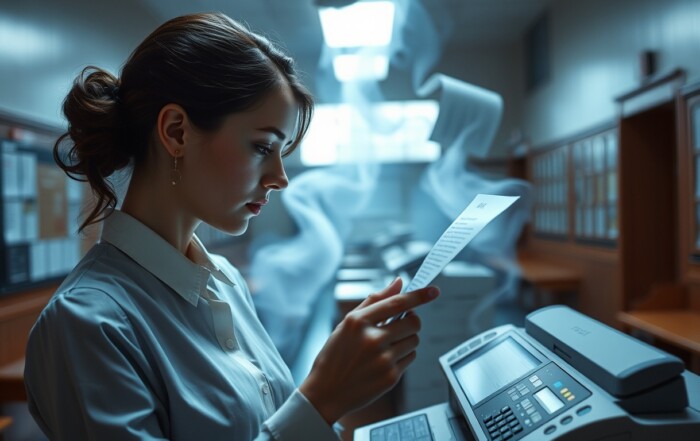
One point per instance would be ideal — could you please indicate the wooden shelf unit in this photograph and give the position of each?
(622, 210)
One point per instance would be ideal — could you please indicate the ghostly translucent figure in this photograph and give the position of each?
(448, 185)
(288, 276)
(467, 123)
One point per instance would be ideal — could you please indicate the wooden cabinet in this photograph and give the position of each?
(661, 251)
(618, 224)
(630, 226)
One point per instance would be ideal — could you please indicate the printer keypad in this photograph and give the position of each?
(532, 416)
(513, 413)
(502, 425)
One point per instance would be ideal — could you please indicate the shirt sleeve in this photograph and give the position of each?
(297, 417)
(85, 375)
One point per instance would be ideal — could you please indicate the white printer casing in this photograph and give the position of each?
(563, 377)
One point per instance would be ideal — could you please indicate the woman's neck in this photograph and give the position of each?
(154, 203)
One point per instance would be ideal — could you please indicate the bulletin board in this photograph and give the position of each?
(39, 216)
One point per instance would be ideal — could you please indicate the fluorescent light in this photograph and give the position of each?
(353, 67)
(365, 23)
(22, 41)
(393, 132)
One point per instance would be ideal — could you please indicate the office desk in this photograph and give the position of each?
(547, 277)
(680, 328)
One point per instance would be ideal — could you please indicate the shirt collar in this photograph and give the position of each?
(186, 277)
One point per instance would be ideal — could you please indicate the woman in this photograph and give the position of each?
(151, 337)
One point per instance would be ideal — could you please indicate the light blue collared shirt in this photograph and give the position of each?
(142, 343)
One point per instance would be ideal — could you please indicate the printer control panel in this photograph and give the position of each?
(527, 404)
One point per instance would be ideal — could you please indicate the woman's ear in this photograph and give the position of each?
(172, 128)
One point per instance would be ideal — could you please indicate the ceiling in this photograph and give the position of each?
(295, 23)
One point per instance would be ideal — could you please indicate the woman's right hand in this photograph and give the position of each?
(363, 359)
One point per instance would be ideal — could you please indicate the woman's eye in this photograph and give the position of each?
(263, 149)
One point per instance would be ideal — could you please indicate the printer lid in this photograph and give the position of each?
(620, 364)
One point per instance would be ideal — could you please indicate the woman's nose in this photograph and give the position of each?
(276, 179)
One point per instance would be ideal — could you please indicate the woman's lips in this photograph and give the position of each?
(254, 208)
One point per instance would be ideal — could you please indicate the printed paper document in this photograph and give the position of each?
(479, 213)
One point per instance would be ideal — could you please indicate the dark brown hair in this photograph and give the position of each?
(209, 64)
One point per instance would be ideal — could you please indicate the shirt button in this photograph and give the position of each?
(230, 343)
(265, 389)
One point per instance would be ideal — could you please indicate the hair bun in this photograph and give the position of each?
(96, 89)
(92, 148)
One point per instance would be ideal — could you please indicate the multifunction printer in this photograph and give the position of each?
(564, 376)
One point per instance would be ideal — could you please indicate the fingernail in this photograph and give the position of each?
(433, 292)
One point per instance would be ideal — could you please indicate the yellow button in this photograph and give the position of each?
(566, 395)
(565, 390)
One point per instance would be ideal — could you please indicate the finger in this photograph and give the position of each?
(380, 311)
(392, 289)
(403, 363)
(400, 329)
(402, 348)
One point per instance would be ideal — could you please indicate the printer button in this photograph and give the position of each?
(549, 430)
(584, 410)
(566, 420)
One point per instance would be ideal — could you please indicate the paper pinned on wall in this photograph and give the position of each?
(480, 212)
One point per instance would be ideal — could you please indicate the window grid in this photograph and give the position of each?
(550, 179)
(695, 140)
(595, 188)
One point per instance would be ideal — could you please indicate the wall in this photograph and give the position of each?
(594, 47)
(45, 43)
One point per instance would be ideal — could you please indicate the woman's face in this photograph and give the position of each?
(228, 175)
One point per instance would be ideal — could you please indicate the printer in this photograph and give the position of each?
(564, 376)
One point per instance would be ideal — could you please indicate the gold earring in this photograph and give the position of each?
(175, 174)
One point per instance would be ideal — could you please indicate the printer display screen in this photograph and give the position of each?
(485, 372)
